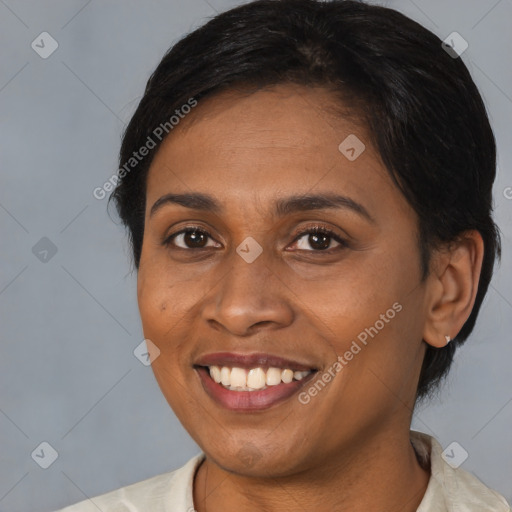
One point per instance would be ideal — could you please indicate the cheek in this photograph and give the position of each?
(156, 308)
(149, 299)
(370, 314)
(354, 299)
(160, 316)
(159, 294)
(168, 307)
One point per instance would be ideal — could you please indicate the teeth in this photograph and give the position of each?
(273, 376)
(215, 373)
(256, 379)
(286, 376)
(239, 379)
(225, 376)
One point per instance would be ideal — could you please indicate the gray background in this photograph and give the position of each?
(70, 324)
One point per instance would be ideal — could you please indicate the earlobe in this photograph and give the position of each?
(452, 288)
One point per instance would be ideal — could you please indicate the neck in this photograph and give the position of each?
(382, 473)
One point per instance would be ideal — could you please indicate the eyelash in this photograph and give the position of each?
(316, 229)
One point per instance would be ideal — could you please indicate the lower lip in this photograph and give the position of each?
(249, 400)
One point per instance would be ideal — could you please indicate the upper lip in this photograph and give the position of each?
(253, 360)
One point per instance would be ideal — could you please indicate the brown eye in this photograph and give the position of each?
(194, 239)
(319, 239)
(189, 238)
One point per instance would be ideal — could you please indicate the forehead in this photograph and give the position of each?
(241, 145)
(285, 116)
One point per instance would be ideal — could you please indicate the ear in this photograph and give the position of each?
(452, 287)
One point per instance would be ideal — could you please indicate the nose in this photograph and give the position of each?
(249, 298)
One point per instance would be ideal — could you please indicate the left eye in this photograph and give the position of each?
(319, 239)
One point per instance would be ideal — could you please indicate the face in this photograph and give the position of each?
(256, 276)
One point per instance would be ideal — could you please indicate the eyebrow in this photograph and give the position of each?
(283, 206)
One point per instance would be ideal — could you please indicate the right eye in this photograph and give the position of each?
(192, 237)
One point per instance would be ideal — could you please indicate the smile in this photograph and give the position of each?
(251, 382)
(240, 379)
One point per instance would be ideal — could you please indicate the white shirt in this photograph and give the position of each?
(448, 490)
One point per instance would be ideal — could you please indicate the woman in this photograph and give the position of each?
(313, 241)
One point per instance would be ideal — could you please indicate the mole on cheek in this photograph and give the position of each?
(163, 306)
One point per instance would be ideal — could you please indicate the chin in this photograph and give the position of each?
(256, 460)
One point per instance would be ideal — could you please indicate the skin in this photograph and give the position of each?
(348, 448)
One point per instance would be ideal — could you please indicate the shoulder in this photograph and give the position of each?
(160, 493)
(452, 488)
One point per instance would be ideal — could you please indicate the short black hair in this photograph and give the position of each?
(423, 112)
